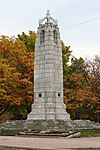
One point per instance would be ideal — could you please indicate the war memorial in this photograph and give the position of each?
(48, 113)
(48, 73)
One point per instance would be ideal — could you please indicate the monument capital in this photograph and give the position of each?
(48, 19)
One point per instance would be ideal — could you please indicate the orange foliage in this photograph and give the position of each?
(16, 73)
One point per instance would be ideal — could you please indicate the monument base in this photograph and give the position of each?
(45, 111)
(45, 128)
(43, 125)
(33, 127)
(49, 116)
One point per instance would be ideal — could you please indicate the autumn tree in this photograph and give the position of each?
(92, 68)
(16, 75)
(79, 97)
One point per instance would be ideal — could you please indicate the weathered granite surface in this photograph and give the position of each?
(14, 127)
(85, 124)
(48, 73)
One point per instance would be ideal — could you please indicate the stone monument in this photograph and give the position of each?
(48, 116)
(48, 73)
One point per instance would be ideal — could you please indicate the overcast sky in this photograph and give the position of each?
(18, 16)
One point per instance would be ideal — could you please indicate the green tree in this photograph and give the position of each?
(28, 40)
(66, 53)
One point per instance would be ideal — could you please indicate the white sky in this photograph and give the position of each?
(18, 16)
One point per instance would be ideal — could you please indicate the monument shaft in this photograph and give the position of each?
(48, 73)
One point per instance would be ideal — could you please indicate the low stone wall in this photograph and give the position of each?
(11, 127)
(85, 124)
(14, 127)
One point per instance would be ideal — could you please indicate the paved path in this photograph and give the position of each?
(49, 143)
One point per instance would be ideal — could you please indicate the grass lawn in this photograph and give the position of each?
(90, 132)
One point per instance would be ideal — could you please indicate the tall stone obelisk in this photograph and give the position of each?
(48, 73)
